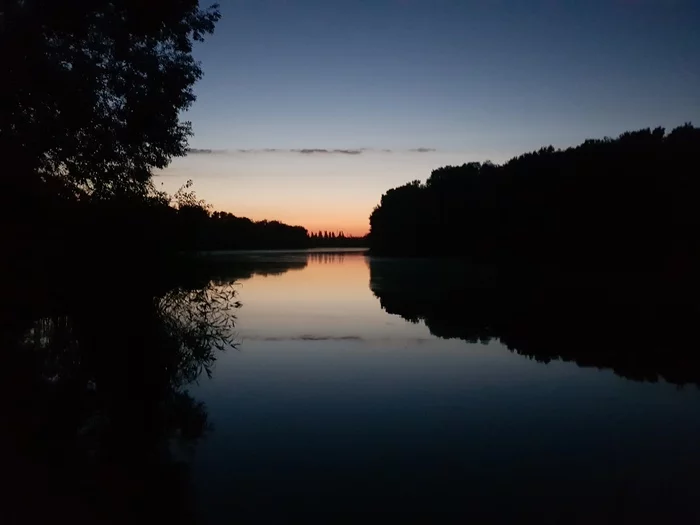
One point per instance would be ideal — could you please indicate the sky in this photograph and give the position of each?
(309, 110)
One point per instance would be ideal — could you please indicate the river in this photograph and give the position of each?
(359, 389)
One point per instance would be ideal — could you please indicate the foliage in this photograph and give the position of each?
(185, 197)
(94, 96)
(225, 231)
(630, 200)
(199, 322)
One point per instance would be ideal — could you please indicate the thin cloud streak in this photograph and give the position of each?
(198, 151)
(326, 151)
(304, 151)
(205, 151)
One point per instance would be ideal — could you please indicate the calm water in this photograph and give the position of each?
(332, 408)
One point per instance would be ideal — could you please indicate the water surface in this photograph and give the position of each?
(331, 407)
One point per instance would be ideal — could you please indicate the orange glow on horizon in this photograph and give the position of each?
(349, 227)
(348, 232)
(319, 192)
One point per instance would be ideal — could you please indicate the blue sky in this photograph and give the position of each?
(435, 82)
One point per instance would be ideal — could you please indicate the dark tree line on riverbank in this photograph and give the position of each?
(201, 230)
(54, 231)
(326, 239)
(629, 200)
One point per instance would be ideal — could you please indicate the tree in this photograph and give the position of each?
(619, 203)
(92, 90)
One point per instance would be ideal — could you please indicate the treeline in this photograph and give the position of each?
(630, 200)
(220, 230)
(202, 230)
(47, 228)
(326, 239)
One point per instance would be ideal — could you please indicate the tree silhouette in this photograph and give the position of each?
(94, 98)
(332, 239)
(625, 201)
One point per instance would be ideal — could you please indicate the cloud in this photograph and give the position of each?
(348, 151)
(303, 151)
(204, 151)
(198, 151)
(311, 151)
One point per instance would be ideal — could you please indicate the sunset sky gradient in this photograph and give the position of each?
(309, 110)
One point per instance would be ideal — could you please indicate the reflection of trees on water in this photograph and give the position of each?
(327, 258)
(641, 326)
(95, 400)
(226, 268)
(94, 376)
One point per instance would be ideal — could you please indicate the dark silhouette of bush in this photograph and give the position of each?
(625, 201)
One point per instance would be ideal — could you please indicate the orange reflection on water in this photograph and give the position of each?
(327, 276)
(330, 297)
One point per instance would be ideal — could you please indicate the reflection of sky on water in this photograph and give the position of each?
(332, 402)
